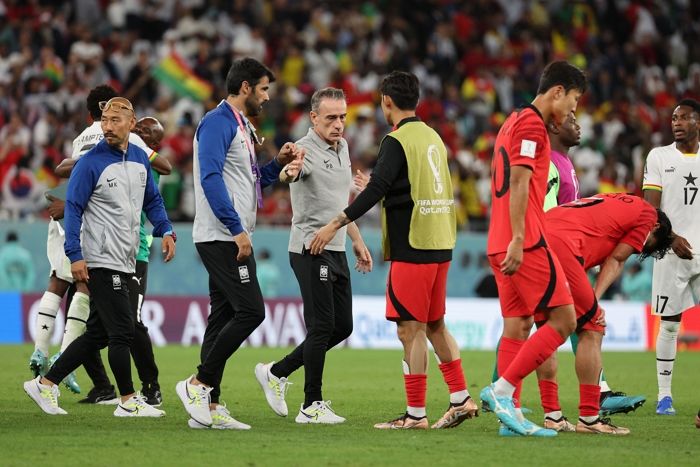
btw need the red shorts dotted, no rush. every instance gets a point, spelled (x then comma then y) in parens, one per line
(539, 283)
(416, 292)
(585, 303)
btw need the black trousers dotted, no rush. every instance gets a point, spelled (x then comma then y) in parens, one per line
(237, 308)
(324, 281)
(141, 346)
(110, 324)
(92, 363)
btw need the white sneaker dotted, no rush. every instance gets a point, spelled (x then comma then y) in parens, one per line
(195, 399)
(275, 388)
(221, 420)
(45, 396)
(136, 406)
(318, 412)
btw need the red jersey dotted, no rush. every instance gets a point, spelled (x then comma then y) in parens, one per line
(595, 226)
(523, 141)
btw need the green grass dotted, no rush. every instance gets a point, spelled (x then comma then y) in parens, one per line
(366, 387)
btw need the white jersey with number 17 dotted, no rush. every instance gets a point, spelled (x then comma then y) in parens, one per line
(677, 177)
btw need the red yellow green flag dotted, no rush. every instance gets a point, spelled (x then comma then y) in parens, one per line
(178, 76)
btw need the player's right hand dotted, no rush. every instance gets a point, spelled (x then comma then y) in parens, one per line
(601, 318)
(513, 259)
(360, 180)
(56, 207)
(291, 170)
(245, 248)
(682, 248)
(79, 271)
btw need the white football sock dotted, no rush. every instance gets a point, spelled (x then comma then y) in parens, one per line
(45, 320)
(503, 388)
(556, 415)
(459, 396)
(417, 412)
(666, 343)
(77, 319)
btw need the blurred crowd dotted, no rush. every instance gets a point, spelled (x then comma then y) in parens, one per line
(477, 60)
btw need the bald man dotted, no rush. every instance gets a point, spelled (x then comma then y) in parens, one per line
(107, 191)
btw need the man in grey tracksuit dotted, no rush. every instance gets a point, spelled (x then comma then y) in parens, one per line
(107, 190)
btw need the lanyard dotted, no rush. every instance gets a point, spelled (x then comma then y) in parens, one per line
(251, 153)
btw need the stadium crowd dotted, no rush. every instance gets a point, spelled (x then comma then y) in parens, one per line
(476, 61)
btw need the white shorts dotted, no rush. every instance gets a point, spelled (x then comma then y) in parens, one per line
(60, 264)
(676, 285)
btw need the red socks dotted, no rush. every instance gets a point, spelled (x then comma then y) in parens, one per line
(549, 392)
(454, 375)
(507, 350)
(538, 348)
(589, 403)
(416, 387)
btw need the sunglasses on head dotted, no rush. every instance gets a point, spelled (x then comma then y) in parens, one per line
(120, 105)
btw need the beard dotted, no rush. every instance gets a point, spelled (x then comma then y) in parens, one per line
(252, 108)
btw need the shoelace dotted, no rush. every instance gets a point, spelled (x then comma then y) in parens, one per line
(326, 405)
(607, 421)
(281, 386)
(222, 410)
(200, 394)
(51, 394)
(141, 399)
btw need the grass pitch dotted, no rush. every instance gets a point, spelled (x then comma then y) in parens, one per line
(365, 387)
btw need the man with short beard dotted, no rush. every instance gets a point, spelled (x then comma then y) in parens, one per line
(226, 171)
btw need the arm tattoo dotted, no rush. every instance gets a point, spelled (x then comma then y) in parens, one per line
(342, 219)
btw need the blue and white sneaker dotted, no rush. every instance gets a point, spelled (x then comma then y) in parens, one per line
(665, 406)
(619, 402)
(38, 363)
(69, 381)
(504, 409)
(530, 430)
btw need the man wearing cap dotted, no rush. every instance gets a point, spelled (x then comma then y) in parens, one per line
(106, 193)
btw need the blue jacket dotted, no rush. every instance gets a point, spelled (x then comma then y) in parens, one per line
(224, 184)
(107, 191)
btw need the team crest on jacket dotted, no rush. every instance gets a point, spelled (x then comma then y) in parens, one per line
(143, 177)
(116, 282)
(323, 273)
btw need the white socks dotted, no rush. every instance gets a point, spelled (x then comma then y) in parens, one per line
(666, 343)
(459, 396)
(556, 415)
(503, 388)
(45, 320)
(417, 412)
(76, 320)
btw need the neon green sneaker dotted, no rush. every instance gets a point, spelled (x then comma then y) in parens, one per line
(275, 388)
(221, 419)
(69, 381)
(38, 364)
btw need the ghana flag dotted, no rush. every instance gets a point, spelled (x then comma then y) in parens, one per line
(178, 76)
